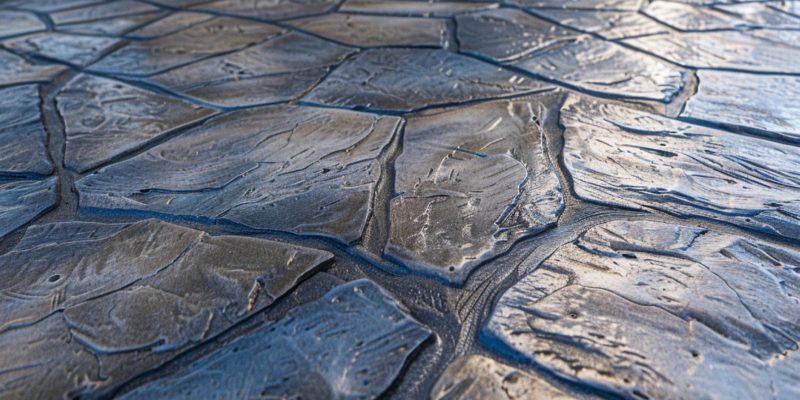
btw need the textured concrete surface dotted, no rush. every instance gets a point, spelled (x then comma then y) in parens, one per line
(518, 199)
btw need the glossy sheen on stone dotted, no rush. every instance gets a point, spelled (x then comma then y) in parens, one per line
(218, 35)
(175, 22)
(687, 17)
(443, 149)
(758, 103)
(132, 295)
(373, 31)
(607, 68)
(651, 310)
(18, 70)
(268, 72)
(470, 182)
(21, 201)
(410, 7)
(296, 169)
(774, 14)
(619, 156)
(594, 65)
(608, 24)
(270, 9)
(478, 377)
(351, 343)
(507, 34)
(19, 22)
(619, 5)
(410, 79)
(104, 119)
(111, 26)
(73, 49)
(23, 140)
(101, 11)
(722, 49)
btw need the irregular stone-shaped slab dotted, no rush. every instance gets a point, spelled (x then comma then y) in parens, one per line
(112, 26)
(19, 22)
(18, 70)
(33, 353)
(594, 65)
(722, 49)
(175, 22)
(409, 7)
(373, 31)
(351, 343)
(608, 24)
(411, 79)
(297, 169)
(78, 50)
(268, 72)
(23, 140)
(104, 119)
(471, 181)
(215, 291)
(64, 264)
(102, 11)
(478, 377)
(687, 17)
(218, 35)
(754, 102)
(508, 34)
(618, 5)
(604, 67)
(134, 295)
(624, 157)
(653, 310)
(270, 9)
(22, 201)
(47, 6)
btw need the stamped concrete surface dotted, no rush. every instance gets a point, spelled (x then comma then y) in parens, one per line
(406, 199)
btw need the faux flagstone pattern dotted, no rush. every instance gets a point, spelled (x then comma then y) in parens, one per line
(131, 296)
(401, 199)
(659, 310)
(470, 183)
(104, 119)
(293, 357)
(299, 169)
